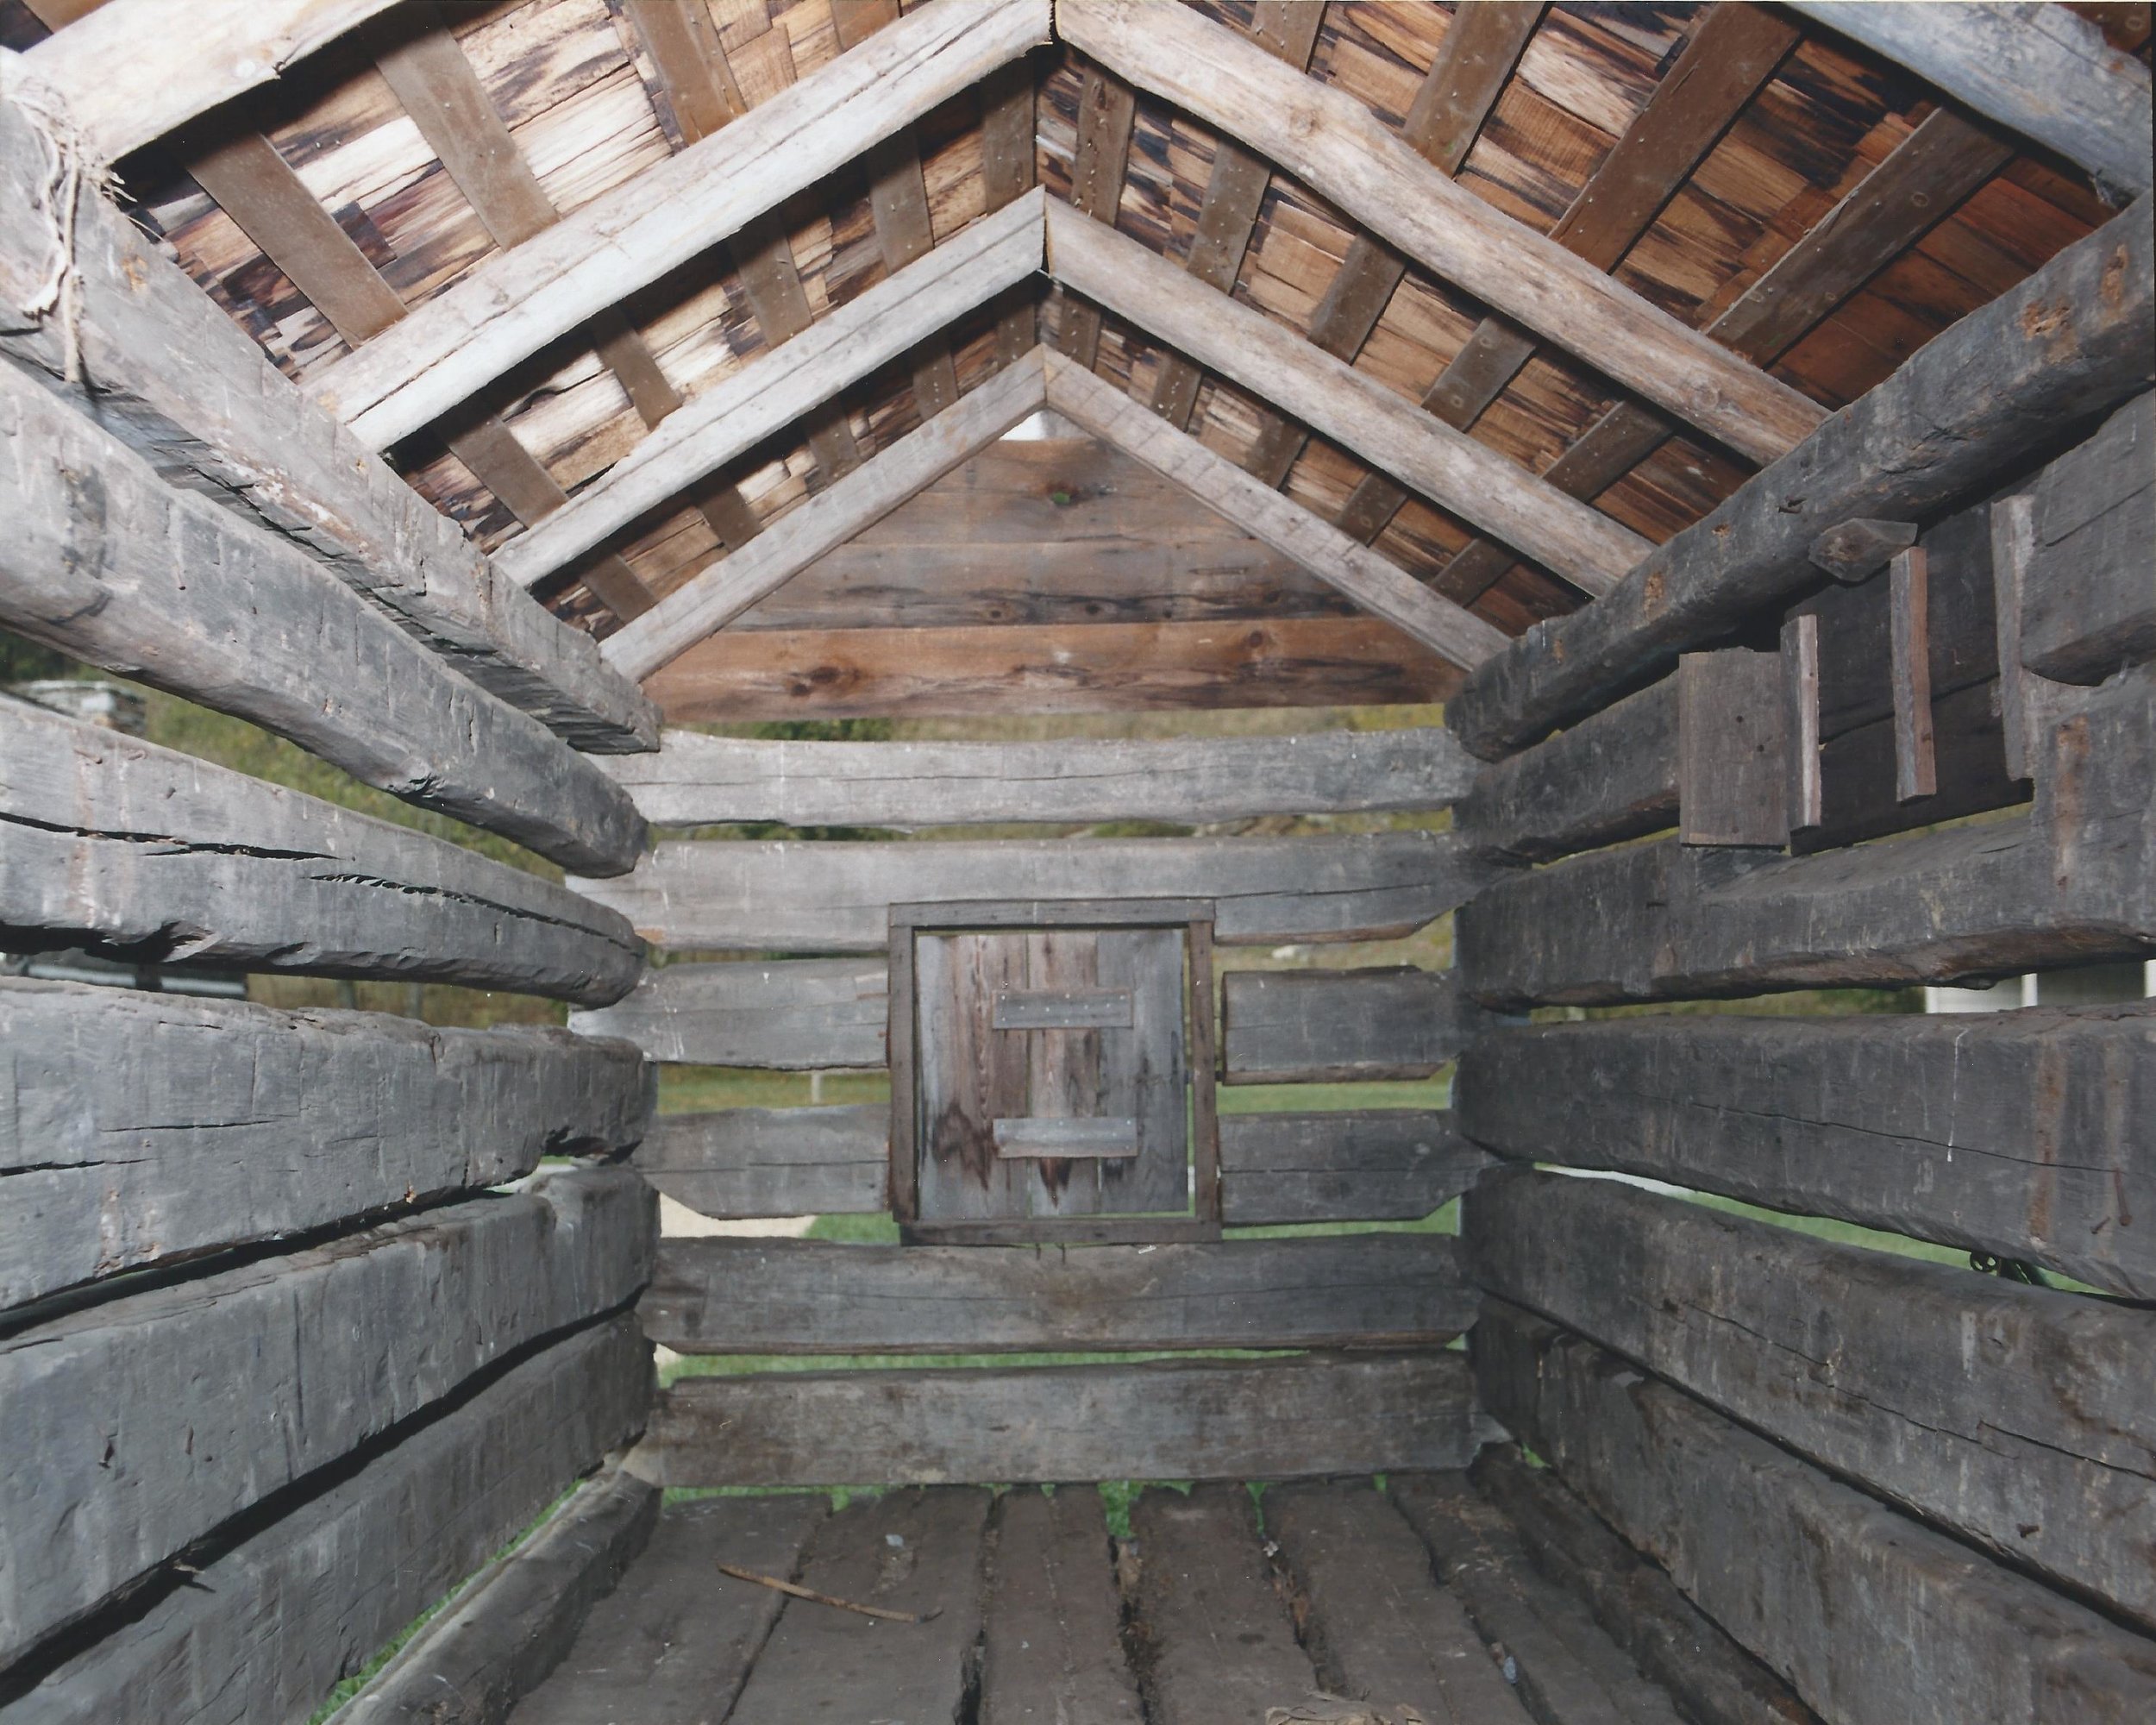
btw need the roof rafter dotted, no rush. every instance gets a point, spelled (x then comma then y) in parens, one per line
(1343, 152)
(1460, 475)
(788, 383)
(722, 592)
(519, 300)
(1380, 588)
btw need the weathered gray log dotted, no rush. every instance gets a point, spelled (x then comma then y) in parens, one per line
(1567, 1671)
(175, 378)
(675, 1643)
(106, 562)
(1053, 1637)
(2072, 882)
(1871, 1617)
(2075, 338)
(1378, 1626)
(2022, 1418)
(1611, 776)
(1674, 1643)
(1342, 1026)
(1162, 1420)
(2025, 1134)
(146, 853)
(512, 1627)
(808, 1296)
(916, 1551)
(817, 1014)
(696, 780)
(141, 1128)
(771, 1161)
(784, 897)
(274, 1619)
(156, 1416)
(1203, 1586)
(2088, 594)
(1370, 1165)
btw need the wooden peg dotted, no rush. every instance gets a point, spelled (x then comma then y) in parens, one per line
(1909, 609)
(1859, 548)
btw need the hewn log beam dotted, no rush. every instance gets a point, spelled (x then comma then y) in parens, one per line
(827, 519)
(1337, 148)
(2073, 339)
(134, 70)
(783, 384)
(2038, 70)
(1463, 476)
(519, 300)
(1380, 588)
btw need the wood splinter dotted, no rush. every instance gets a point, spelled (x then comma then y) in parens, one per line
(798, 1591)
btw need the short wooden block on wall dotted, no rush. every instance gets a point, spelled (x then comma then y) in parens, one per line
(1731, 768)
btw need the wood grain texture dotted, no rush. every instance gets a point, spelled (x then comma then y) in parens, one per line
(511, 1626)
(1052, 1648)
(723, 590)
(1464, 478)
(140, 1128)
(676, 1641)
(751, 404)
(1868, 1615)
(1098, 165)
(141, 851)
(697, 779)
(1375, 585)
(437, 1298)
(1612, 776)
(107, 563)
(130, 72)
(737, 1163)
(1909, 610)
(517, 301)
(1201, 1419)
(2087, 605)
(278, 1614)
(836, 897)
(2032, 1439)
(1732, 758)
(808, 1297)
(1334, 144)
(1342, 1027)
(2073, 339)
(178, 381)
(1372, 1165)
(2046, 74)
(919, 672)
(793, 1015)
(2016, 1133)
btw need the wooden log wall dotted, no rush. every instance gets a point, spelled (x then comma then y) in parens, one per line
(1910, 1491)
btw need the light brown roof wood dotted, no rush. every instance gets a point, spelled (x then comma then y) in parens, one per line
(784, 383)
(1469, 478)
(1107, 112)
(730, 585)
(517, 301)
(2038, 70)
(134, 70)
(1381, 588)
(1337, 148)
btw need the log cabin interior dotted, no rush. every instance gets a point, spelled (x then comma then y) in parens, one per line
(1281, 700)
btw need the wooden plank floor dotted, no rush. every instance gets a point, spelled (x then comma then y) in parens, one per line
(1220, 1607)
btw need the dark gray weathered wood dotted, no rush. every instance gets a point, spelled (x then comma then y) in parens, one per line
(1731, 762)
(771, 1161)
(272, 1622)
(112, 843)
(1612, 776)
(2073, 339)
(2089, 595)
(809, 1296)
(1164, 1420)
(502, 1636)
(1871, 1617)
(1342, 1027)
(2022, 1418)
(1053, 1649)
(140, 1128)
(1909, 611)
(1370, 1165)
(803, 1015)
(107, 563)
(158, 1415)
(2019, 1133)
